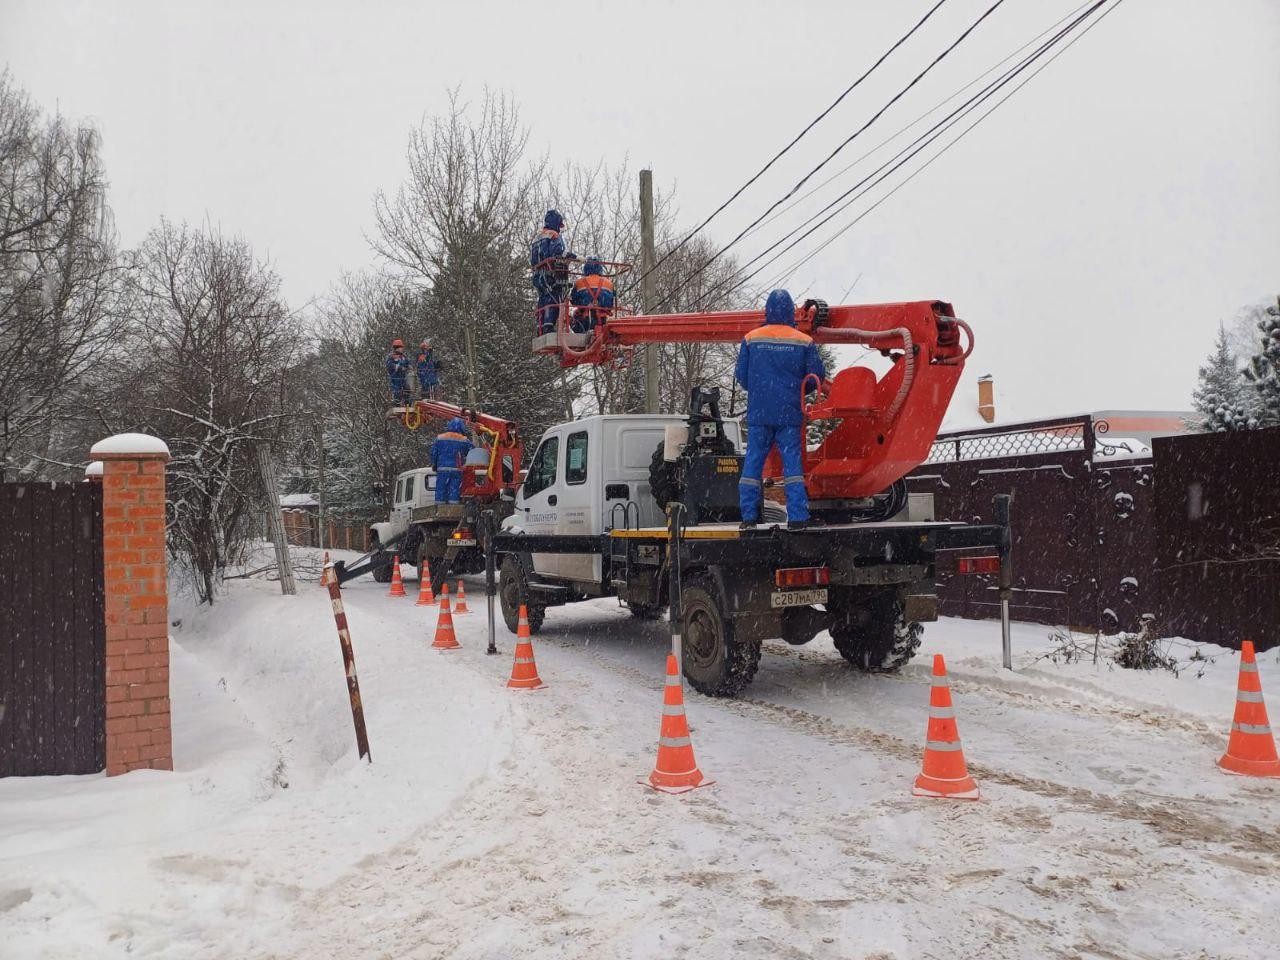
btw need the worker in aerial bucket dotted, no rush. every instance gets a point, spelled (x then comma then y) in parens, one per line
(549, 263)
(773, 361)
(398, 372)
(428, 373)
(592, 297)
(449, 452)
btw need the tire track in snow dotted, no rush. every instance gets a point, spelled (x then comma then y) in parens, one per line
(1172, 820)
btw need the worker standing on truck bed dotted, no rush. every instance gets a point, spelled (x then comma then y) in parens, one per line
(448, 453)
(592, 297)
(773, 361)
(398, 372)
(428, 374)
(548, 261)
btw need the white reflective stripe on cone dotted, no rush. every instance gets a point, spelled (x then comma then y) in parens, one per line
(1249, 696)
(674, 741)
(943, 745)
(942, 713)
(1258, 729)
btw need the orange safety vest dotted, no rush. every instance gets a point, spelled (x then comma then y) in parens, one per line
(594, 283)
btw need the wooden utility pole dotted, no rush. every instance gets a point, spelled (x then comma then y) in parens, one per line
(275, 519)
(320, 465)
(648, 293)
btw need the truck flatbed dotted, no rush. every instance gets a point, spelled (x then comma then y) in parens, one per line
(732, 531)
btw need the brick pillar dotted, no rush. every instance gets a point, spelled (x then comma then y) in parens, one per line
(139, 734)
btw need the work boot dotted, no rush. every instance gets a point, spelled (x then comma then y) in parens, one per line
(797, 524)
(747, 525)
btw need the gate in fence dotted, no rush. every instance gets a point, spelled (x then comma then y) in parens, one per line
(52, 629)
(1083, 549)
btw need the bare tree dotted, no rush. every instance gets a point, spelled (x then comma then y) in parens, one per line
(204, 368)
(59, 276)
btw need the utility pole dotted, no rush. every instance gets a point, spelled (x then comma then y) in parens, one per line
(648, 295)
(275, 519)
(320, 465)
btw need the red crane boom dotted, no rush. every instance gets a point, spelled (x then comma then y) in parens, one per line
(883, 427)
(500, 437)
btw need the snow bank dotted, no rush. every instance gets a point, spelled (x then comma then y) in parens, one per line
(267, 799)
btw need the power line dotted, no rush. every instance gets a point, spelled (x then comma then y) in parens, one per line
(995, 89)
(937, 106)
(876, 116)
(945, 125)
(813, 123)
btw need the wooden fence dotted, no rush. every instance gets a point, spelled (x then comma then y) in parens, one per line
(52, 629)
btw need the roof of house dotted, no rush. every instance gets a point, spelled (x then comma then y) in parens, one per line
(297, 500)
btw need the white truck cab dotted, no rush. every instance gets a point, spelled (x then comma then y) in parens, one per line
(413, 488)
(587, 477)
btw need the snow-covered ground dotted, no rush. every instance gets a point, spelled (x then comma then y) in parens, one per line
(498, 824)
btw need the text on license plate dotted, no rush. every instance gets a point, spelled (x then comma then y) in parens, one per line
(797, 598)
(462, 543)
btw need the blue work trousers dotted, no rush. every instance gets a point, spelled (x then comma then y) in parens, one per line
(400, 390)
(760, 440)
(448, 485)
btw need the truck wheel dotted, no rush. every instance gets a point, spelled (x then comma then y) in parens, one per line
(510, 589)
(382, 566)
(715, 661)
(875, 638)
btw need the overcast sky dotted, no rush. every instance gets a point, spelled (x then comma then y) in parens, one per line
(1093, 231)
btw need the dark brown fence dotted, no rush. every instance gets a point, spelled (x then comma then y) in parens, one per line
(1218, 536)
(51, 629)
(1083, 539)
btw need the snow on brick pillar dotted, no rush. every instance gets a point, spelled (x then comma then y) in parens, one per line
(139, 734)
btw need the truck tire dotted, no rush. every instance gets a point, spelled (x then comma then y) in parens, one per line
(715, 661)
(874, 637)
(511, 587)
(381, 563)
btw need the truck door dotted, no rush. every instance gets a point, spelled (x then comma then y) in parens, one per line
(577, 512)
(539, 500)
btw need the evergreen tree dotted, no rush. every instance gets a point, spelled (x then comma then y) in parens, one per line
(1219, 396)
(1263, 371)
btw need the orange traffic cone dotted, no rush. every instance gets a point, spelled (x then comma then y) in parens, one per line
(675, 771)
(944, 773)
(397, 585)
(524, 671)
(324, 571)
(1251, 749)
(425, 597)
(462, 599)
(445, 639)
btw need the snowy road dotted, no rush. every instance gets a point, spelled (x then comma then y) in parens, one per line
(496, 824)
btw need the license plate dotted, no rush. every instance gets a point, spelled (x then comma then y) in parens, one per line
(797, 598)
(462, 543)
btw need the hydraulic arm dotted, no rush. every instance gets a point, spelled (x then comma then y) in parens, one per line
(500, 438)
(881, 428)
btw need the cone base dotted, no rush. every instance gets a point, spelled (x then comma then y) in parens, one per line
(534, 684)
(1249, 768)
(965, 789)
(455, 645)
(427, 603)
(461, 610)
(674, 788)
(399, 593)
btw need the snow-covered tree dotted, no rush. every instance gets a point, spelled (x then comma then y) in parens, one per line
(1219, 395)
(60, 315)
(1263, 371)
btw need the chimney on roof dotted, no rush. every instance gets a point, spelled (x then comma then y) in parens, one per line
(987, 398)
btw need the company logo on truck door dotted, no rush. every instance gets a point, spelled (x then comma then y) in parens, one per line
(551, 517)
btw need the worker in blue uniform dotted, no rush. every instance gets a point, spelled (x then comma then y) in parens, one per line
(448, 454)
(592, 297)
(398, 372)
(773, 361)
(548, 262)
(428, 374)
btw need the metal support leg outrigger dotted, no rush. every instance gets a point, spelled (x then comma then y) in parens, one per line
(490, 579)
(675, 536)
(1003, 504)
